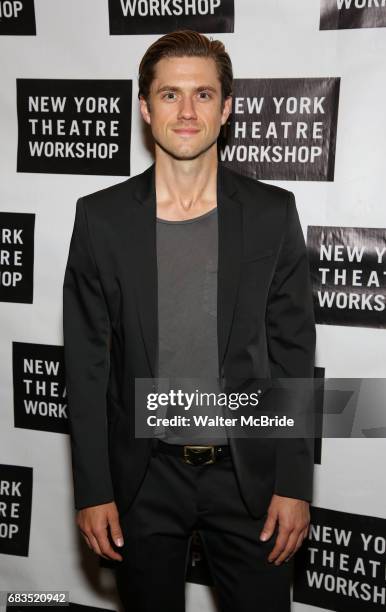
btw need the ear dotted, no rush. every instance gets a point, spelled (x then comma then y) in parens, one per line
(226, 110)
(144, 110)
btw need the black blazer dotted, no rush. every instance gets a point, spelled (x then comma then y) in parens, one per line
(265, 321)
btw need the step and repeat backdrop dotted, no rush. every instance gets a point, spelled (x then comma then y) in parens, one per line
(308, 115)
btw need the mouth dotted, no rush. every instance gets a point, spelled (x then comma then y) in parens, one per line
(186, 131)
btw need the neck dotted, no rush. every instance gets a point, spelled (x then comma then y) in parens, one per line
(186, 188)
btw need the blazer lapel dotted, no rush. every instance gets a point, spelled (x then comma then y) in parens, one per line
(229, 261)
(230, 245)
(145, 252)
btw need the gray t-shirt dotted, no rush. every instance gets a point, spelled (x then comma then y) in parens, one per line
(187, 254)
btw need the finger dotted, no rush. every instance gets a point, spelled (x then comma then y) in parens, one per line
(297, 546)
(280, 543)
(106, 549)
(289, 548)
(303, 535)
(115, 529)
(268, 528)
(95, 546)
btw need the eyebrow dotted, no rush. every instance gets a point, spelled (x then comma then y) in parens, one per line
(173, 88)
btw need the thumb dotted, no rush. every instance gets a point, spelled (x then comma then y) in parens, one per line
(269, 527)
(115, 529)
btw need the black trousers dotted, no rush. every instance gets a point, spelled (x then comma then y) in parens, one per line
(174, 499)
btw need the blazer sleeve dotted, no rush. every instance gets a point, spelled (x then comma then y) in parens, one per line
(86, 332)
(291, 339)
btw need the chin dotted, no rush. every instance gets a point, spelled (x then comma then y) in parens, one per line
(182, 154)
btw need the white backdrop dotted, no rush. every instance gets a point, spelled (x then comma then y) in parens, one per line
(272, 38)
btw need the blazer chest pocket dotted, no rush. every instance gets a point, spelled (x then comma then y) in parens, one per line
(257, 255)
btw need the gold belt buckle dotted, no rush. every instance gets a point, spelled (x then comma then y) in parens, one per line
(199, 455)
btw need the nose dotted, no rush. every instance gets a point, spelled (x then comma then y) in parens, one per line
(186, 109)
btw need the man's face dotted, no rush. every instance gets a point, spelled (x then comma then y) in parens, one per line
(185, 106)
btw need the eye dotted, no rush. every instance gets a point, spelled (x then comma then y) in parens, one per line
(168, 94)
(205, 93)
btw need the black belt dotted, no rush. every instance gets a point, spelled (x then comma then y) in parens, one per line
(194, 454)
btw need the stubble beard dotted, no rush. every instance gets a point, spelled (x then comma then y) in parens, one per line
(188, 156)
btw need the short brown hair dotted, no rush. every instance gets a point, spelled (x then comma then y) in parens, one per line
(182, 43)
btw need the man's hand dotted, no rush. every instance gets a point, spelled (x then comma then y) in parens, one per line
(93, 522)
(294, 519)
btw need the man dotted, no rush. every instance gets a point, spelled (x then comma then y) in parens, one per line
(140, 302)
